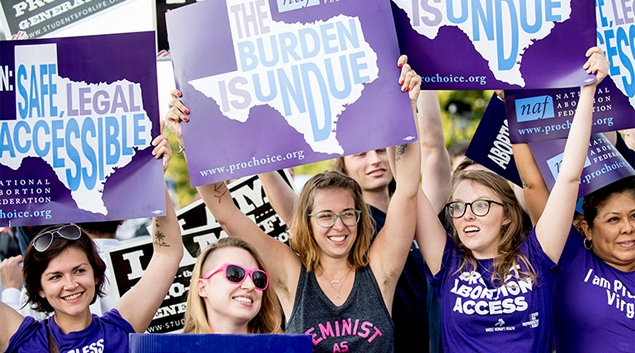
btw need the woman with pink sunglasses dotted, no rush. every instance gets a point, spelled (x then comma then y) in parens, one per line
(230, 293)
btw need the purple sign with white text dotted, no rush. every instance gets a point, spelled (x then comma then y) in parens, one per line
(273, 84)
(536, 115)
(604, 164)
(77, 118)
(484, 44)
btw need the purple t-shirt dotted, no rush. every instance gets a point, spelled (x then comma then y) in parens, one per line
(480, 317)
(594, 303)
(106, 333)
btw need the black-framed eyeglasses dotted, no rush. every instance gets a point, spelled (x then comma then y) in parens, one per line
(327, 219)
(479, 207)
(42, 242)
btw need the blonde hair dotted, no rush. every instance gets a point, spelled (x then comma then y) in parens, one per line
(302, 239)
(512, 234)
(268, 319)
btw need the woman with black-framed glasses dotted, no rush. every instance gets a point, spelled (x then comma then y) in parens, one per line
(64, 274)
(493, 279)
(230, 293)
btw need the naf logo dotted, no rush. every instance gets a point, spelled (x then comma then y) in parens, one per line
(534, 108)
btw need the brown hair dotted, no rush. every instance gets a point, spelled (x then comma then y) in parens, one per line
(35, 263)
(302, 239)
(512, 234)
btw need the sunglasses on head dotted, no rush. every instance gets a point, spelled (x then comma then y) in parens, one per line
(42, 242)
(237, 274)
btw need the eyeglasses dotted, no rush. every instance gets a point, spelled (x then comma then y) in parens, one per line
(479, 208)
(237, 274)
(42, 242)
(327, 219)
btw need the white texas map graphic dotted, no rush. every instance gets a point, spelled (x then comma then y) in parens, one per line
(501, 31)
(85, 132)
(308, 72)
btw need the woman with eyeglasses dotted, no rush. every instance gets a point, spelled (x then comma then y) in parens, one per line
(63, 275)
(230, 292)
(332, 283)
(493, 279)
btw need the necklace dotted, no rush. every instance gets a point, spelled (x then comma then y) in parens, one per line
(333, 282)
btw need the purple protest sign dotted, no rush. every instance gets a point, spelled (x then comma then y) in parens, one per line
(490, 145)
(536, 115)
(77, 118)
(273, 84)
(476, 45)
(604, 164)
(615, 25)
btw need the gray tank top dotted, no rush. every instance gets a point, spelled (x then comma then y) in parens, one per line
(361, 324)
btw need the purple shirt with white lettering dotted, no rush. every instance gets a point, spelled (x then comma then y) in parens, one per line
(480, 317)
(106, 333)
(594, 303)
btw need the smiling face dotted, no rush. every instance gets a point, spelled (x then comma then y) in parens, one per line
(335, 241)
(230, 306)
(613, 231)
(479, 234)
(370, 169)
(68, 284)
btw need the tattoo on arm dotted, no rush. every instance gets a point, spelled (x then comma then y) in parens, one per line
(220, 190)
(401, 149)
(159, 237)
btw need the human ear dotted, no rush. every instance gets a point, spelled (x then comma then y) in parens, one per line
(202, 289)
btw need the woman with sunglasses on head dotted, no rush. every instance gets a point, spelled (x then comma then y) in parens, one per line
(333, 284)
(493, 279)
(230, 293)
(63, 274)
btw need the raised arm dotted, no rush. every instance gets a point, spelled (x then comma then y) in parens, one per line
(435, 159)
(281, 196)
(535, 191)
(390, 249)
(141, 302)
(283, 264)
(553, 226)
(10, 320)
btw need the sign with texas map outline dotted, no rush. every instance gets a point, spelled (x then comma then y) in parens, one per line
(77, 118)
(275, 84)
(502, 44)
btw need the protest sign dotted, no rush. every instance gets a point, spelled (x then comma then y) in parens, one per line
(491, 146)
(615, 25)
(30, 19)
(536, 115)
(199, 229)
(604, 164)
(221, 343)
(279, 84)
(476, 45)
(77, 118)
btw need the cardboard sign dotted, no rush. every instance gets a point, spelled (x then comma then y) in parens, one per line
(491, 146)
(604, 164)
(536, 115)
(76, 130)
(220, 343)
(476, 45)
(273, 84)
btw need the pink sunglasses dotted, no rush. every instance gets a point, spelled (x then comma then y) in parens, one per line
(237, 274)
